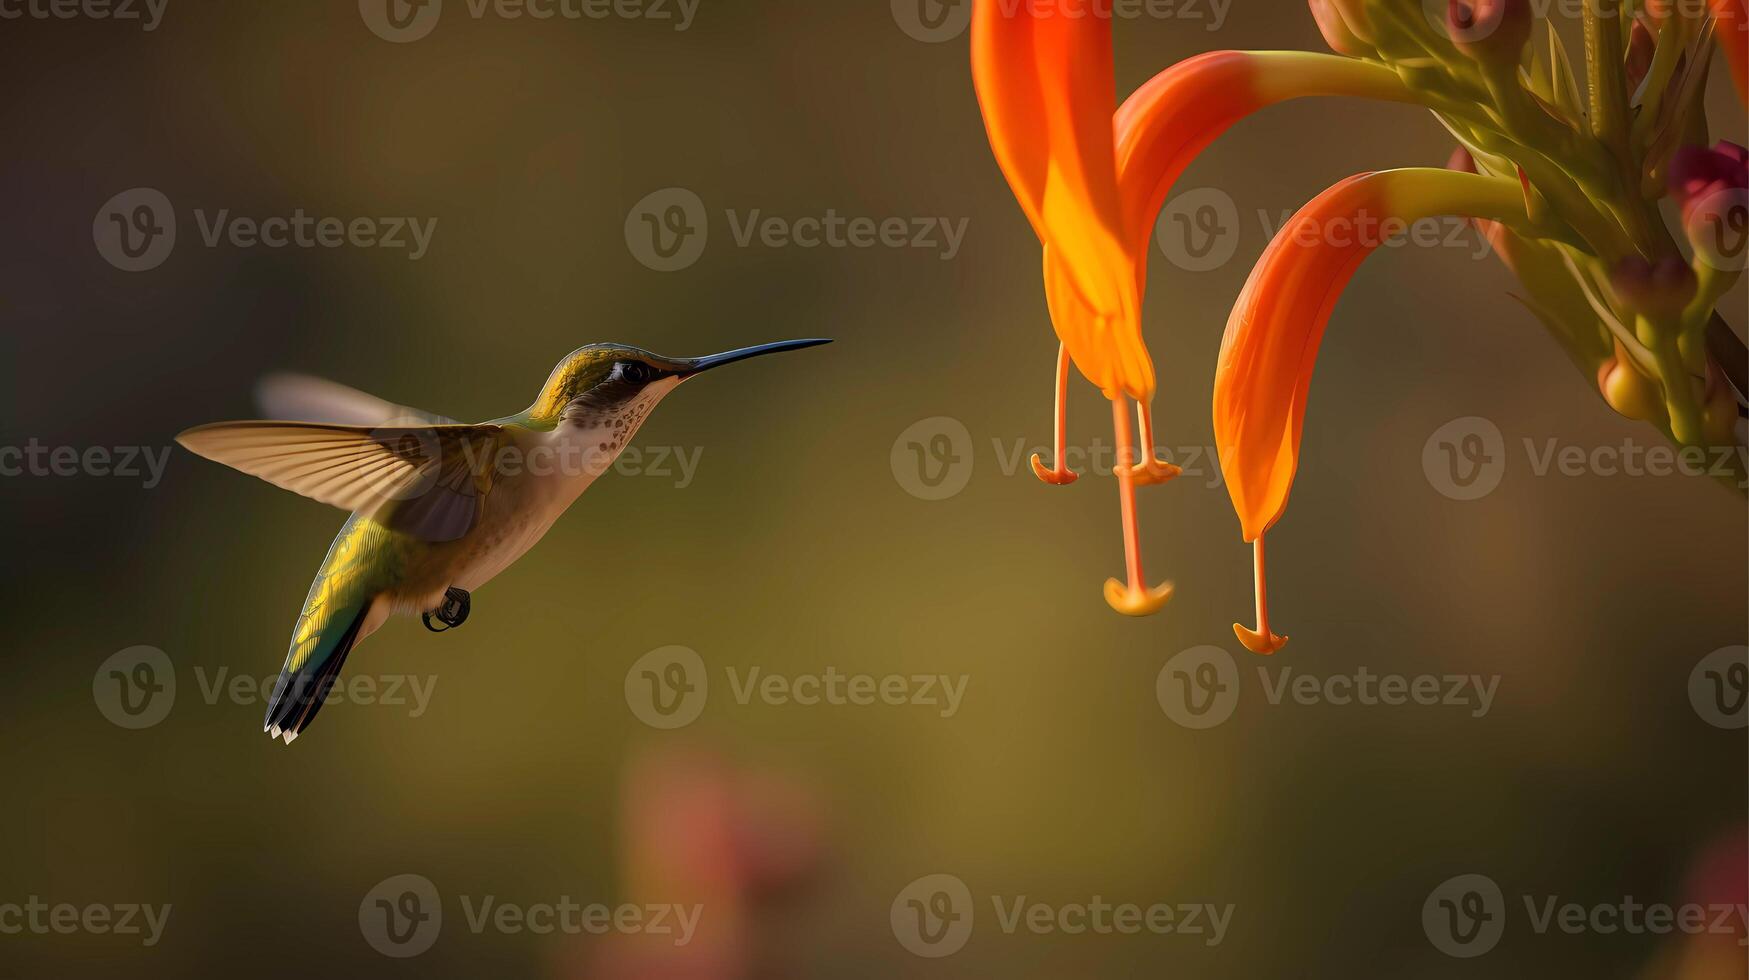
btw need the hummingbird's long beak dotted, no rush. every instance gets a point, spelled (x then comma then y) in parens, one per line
(687, 367)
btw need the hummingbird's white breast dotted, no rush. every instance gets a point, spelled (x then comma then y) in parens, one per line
(538, 481)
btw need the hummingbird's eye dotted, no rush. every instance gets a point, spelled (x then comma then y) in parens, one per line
(636, 372)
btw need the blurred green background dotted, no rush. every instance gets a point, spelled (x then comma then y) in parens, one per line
(796, 546)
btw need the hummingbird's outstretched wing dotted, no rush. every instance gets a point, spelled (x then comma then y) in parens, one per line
(427, 481)
(310, 399)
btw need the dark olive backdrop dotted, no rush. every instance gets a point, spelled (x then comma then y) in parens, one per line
(798, 543)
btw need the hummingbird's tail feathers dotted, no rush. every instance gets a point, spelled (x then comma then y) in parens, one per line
(417, 469)
(304, 683)
(309, 399)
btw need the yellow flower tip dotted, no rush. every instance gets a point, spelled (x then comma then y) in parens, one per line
(1135, 600)
(1257, 642)
(1154, 472)
(1627, 390)
(1062, 476)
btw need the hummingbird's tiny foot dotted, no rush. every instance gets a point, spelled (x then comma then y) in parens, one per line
(1062, 476)
(452, 613)
(1136, 600)
(1154, 471)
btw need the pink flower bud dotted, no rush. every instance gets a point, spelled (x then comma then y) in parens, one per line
(1697, 172)
(1490, 30)
(1711, 187)
(1660, 290)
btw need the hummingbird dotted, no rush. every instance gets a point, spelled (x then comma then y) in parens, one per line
(438, 508)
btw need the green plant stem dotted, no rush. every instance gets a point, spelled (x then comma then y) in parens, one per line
(1664, 61)
(1603, 73)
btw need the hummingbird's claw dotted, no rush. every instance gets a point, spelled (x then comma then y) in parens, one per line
(1062, 476)
(1256, 642)
(452, 613)
(1136, 600)
(1154, 471)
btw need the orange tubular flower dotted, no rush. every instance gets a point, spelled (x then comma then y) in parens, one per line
(1091, 184)
(1733, 27)
(1264, 374)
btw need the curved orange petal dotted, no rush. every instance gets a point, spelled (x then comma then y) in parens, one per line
(1168, 122)
(1271, 344)
(1045, 83)
(1733, 28)
(1160, 130)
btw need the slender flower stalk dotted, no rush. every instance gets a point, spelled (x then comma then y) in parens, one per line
(1264, 375)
